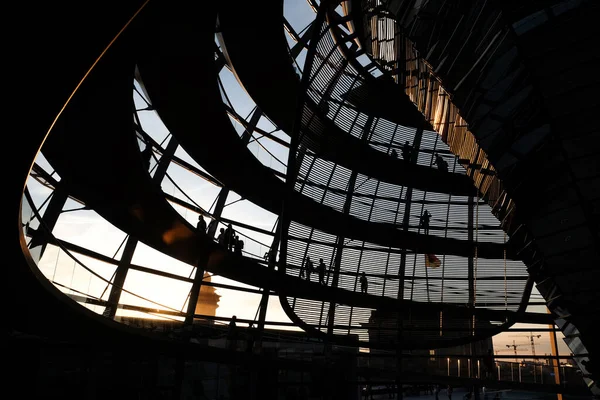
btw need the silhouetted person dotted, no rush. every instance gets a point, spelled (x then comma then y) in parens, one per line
(489, 364)
(238, 245)
(229, 237)
(321, 270)
(424, 223)
(441, 163)
(221, 237)
(436, 391)
(364, 283)
(232, 333)
(406, 151)
(147, 156)
(201, 225)
(368, 391)
(449, 391)
(305, 268)
(309, 268)
(394, 153)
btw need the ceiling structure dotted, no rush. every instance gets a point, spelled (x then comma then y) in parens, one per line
(517, 206)
(502, 72)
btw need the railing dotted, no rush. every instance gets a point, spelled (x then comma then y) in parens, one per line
(538, 371)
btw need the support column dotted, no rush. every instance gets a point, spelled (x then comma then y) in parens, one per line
(120, 275)
(212, 226)
(471, 221)
(407, 209)
(203, 255)
(50, 217)
(165, 160)
(471, 282)
(402, 270)
(299, 46)
(123, 266)
(195, 290)
(264, 301)
(339, 246)
(470, 239)
(555, 359)
(295, 141)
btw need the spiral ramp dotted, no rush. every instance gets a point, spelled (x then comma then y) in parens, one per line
(92, 146)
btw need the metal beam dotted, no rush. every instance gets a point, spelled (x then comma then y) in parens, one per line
(285, 216)
(212, 227)
(339, 247)
(470, 259)
(126, 257)
(119, 279)
(165, 160)
(50, 217)
(203, 256)
(405, 226)
(264, 301)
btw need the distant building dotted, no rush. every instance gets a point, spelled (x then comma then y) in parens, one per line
(208, 300)
(384, 327)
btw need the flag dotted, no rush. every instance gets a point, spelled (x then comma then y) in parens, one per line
(432, 261)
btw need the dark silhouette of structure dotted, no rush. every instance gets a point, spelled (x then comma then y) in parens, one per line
(509, 98)
(147, 156)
